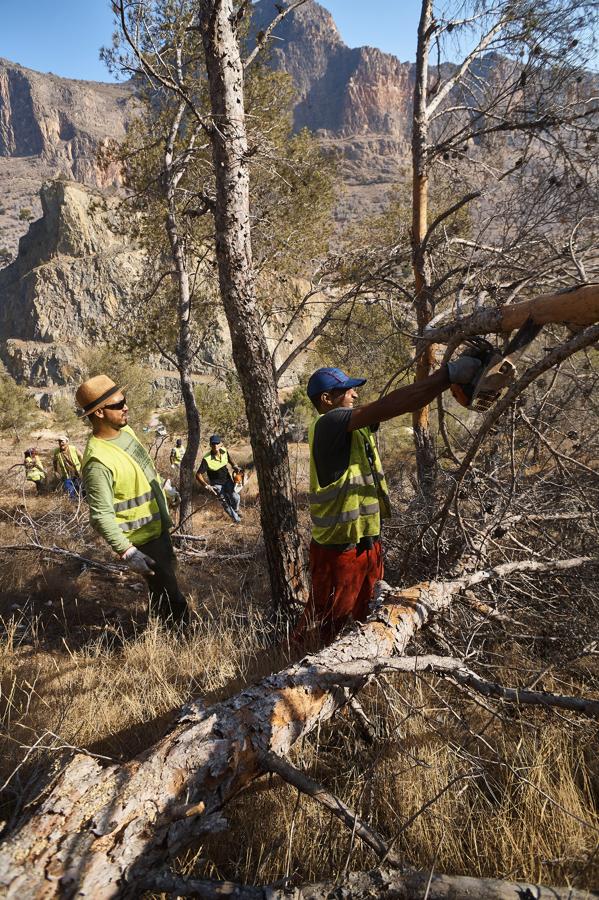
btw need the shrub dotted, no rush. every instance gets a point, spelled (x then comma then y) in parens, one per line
(65, 417)
(25, 214)
(19, 412)
(174, 420)
(222, 408)
(136, 380)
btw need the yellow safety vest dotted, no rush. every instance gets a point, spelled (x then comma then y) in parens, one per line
(62, 466)
(221, 460)
(353, 506)
(177, 454)
(135, 506)
(35, 471)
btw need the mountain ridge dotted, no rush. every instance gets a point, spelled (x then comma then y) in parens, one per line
(357, 101)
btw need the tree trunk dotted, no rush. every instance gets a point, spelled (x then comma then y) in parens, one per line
(426, 457)
(252, 359)
(184, 362)
(101, 829)
(184, 350)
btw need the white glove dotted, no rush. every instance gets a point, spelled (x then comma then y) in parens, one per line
(463, 369)
(212, 490)
(138, 562)
(169, 490)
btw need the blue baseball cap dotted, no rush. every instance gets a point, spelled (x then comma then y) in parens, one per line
(329, 379)
(215, 439)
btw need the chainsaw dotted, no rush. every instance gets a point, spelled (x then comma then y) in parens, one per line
(498, 370)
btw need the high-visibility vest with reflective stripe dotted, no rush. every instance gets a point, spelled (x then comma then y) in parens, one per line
(35, 471)
(221, 460)
(177, 454)
(353, 506)
(62, 466)
(135, 506)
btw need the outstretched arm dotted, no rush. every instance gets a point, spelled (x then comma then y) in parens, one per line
(404, 400)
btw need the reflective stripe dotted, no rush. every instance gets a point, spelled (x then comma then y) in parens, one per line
(137, 501)
(139, 523)
(325, 496)
(349, 516)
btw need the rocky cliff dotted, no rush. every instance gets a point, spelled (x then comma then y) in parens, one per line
(358, 100)
(51, 126)
(62, 121)
(72, 280)
(72, 274)
(73, 271)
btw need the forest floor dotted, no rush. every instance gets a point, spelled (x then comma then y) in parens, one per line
(455, 782)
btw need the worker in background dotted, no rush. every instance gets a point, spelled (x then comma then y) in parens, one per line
(67, 467)
(348, 492)
(176, 455)
(127, 505)
(34, 469)
(214, 475)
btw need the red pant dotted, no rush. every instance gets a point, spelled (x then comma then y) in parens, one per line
(342, 586)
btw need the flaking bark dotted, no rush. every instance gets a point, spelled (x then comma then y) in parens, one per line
(102, 829)
(254, 365)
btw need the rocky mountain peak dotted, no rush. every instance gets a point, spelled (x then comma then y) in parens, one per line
(341, 91)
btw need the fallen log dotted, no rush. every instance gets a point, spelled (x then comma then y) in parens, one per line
(103, 828)
(381, 883)
(577, 306)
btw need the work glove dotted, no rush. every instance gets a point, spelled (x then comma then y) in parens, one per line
(463, 370)
(138, 562)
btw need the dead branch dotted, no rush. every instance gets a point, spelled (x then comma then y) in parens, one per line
(311, 788)
(577, 306)
(59, 551)
(381, 883)
(456, 670)
(103, 828)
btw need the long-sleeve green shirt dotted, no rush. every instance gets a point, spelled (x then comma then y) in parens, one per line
(99, 493)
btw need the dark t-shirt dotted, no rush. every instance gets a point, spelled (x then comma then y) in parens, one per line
(216, 476)
(332, 445)
(331, 449)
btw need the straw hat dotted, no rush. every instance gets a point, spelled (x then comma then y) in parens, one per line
(95, 393)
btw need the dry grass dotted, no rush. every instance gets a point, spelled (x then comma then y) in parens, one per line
(514, 793)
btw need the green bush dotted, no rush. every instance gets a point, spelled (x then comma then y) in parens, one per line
(25, 214)
(135, 379)
(19, 413)
(174, 420)
(222, 409)
(65, 417)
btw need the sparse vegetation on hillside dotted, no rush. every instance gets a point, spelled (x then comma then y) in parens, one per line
(19, 412)
(456, 728)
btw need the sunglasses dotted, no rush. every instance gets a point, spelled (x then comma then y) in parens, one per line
(120, 405)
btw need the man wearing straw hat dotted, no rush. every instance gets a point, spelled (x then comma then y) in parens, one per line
(127, 505)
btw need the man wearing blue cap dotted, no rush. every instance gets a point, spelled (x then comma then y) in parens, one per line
(214, 475)
(348, 492)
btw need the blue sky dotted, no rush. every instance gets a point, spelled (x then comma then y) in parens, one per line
(64, 36)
